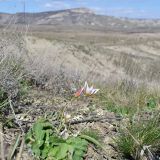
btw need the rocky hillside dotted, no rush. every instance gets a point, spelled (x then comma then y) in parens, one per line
(82, 17)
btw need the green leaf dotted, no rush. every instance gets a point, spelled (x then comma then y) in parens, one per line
(54, 140)
(78, 143)
(47, 138)
(46, 145)
(78, 155)
(28, 136)
(53, 152)
(45, 152)
(151, 104)
(35, 149)
(79, 146)
(94, 141)
(37, 129)
(62, 151)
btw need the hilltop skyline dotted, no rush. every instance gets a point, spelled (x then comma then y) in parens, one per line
(119, 8)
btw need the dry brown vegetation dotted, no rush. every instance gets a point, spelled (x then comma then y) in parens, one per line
(40, 71)
(108, 56)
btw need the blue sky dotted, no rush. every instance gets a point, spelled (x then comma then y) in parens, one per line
(119, 8)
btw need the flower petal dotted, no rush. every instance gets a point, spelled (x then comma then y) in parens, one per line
(94, 91)
(79, 92)
(85, 85)
(88, 90)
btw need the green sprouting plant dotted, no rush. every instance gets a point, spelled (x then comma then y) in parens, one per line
(74, 148)
(24, 87)
(128, 102)
(45, 143)
(122, 110)
(3, 95)
(151, 103)
(139, 139)
(3, 104)
(92, 133)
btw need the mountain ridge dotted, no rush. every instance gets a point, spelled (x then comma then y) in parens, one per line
(74, 17)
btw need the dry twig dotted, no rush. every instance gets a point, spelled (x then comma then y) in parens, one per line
(17, 121)
(21, 149)
(2, 142)
(95, 119)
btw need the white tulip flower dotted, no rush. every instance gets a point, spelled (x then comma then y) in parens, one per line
(86, 90)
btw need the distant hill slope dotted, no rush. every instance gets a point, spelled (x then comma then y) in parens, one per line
(82, 17)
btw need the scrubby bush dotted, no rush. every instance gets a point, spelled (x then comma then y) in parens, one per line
(11, 73)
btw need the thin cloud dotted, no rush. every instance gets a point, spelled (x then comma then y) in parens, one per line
(56, 5)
